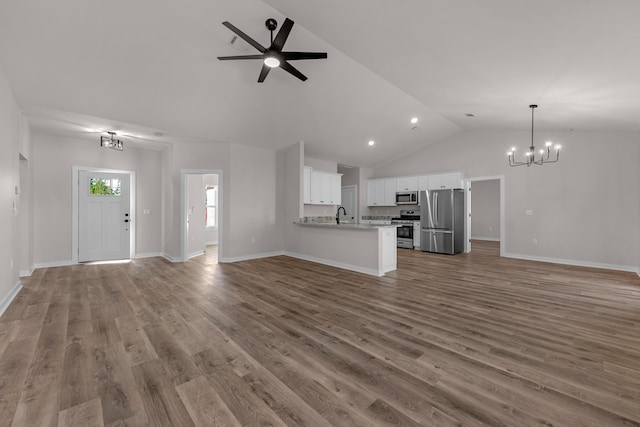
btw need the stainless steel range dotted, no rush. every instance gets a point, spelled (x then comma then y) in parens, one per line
(408, 220)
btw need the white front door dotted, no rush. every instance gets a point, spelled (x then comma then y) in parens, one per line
(104, 219)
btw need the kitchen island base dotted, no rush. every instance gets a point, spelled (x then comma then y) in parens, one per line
(369, 249)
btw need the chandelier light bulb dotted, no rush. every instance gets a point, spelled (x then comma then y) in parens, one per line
(372, 142)
(558, 146)
(509, 153)
(548, 144)
(414, 120)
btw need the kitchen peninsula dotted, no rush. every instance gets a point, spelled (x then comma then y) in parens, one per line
(366, 248)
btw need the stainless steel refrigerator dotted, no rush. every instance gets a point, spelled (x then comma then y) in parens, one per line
(442, 221)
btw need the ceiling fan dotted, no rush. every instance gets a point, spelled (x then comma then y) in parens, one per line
(273, 56)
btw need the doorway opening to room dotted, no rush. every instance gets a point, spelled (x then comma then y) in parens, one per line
(201, 215)
(103, 206)
(485, 214)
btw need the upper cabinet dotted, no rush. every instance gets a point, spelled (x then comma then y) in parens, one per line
(445, 181)
(381, 192)
(324, 188)
(407, 183)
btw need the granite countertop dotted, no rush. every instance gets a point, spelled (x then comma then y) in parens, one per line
(346, 225)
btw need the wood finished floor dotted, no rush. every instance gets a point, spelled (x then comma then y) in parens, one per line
(470, 340)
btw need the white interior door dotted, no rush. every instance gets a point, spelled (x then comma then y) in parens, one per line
(349, 202)
(104, 219)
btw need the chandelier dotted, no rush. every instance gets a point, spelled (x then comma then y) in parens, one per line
(531, 156)
(111, 142)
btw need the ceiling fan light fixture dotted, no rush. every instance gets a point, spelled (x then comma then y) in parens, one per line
(271, 61)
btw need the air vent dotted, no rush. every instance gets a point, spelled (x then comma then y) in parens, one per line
(240, 44)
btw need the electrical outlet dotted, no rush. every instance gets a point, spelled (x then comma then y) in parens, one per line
(534, 242)
(528, 212)
(146, 211)
(490, 228)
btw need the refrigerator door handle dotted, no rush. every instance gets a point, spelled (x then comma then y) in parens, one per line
(435, 208)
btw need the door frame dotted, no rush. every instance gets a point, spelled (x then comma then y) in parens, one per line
(467, 207)
(184, 207)
(75, 216)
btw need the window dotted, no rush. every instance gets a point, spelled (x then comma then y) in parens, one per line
(211, 195)
(104, 186)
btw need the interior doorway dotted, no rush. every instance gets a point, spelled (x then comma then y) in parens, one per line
(201, 213)
(484, 205)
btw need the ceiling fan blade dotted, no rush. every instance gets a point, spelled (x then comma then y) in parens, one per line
(245, 37)
(227, 58)
(282, 35)
(263, 73)
(293, 56)
(292, 70)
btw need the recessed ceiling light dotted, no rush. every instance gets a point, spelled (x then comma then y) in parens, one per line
(372, 142)
(414, 120)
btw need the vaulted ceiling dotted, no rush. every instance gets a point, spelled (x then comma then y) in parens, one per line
(149, 68)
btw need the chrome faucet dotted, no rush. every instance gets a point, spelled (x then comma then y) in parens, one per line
(338, 214)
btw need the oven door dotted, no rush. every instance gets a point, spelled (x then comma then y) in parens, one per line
(405, 236)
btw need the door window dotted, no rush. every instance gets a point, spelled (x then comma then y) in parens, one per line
(104, 187)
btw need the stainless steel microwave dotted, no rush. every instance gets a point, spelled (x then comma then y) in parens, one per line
(407, 198)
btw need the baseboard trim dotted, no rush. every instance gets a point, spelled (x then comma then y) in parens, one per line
(213, 242)
(573, 262)
(486, 239)
(147, 255)
(54, 264)
(331, 263)
(250, 257)
(195, 254)
(4, 303)
(169, 257)
(27, 273)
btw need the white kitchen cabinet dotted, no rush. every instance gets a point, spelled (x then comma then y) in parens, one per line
(423, 182)
(375, 192)
(407, 183)
(306, 193)
(445, 181)
(390, 192)
(336, 189)
(325, 188)
(381, 192)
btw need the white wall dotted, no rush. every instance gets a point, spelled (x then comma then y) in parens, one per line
(250, 227)
(585, 208)
(11, 143)
(196, 215)
(485, 210)
(53, 159)
(253, 227)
